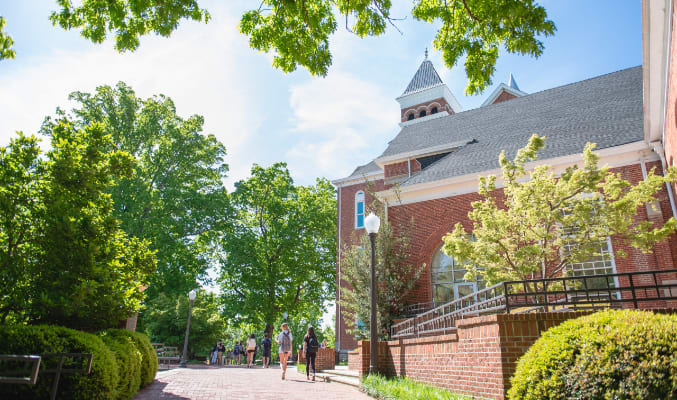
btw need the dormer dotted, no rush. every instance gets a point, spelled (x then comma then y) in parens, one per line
(426, 97)
(504, 92)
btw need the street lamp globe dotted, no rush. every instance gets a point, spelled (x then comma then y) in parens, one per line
(372, 223)
(191, 295)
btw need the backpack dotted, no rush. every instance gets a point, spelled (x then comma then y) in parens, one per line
(312, 345)
(286, 341)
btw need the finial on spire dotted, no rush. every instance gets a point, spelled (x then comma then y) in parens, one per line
(426, 53)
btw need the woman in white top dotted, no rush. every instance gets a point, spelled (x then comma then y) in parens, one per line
(284, 339)
(251, 350)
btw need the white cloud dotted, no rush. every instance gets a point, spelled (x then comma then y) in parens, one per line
(339, 122)
(200, 67)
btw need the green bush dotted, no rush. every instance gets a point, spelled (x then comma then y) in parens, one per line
(608, 355)
(129, 362)
(99, 384)
(148, 357)
(381, 387)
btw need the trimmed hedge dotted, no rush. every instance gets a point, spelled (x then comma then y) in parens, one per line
(624, 354)
(148, 356)
(128, 360)
(99, 384)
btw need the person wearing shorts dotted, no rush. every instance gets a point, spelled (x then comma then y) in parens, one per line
(266, 345)
(284, 339)
(251, 350)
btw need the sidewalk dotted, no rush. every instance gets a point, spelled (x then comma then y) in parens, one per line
(238, 383)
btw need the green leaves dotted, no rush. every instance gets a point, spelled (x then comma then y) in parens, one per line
(128, 19)
(543, 222)
(478, 28)
(6, 42)
(278, 255)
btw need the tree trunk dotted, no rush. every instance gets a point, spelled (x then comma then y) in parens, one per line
(269, 329)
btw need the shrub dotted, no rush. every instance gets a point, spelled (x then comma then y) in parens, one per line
(148, 356)
(404, 388)
(624, 354)
(99, 384)
(128, 359)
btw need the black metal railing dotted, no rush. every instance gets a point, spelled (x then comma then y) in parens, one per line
(642, 289)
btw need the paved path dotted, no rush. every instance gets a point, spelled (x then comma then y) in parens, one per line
(237, 383)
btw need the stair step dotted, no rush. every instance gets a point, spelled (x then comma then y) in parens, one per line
(345, 380)
(342, 372)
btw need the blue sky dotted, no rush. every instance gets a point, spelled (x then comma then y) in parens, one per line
(320, 126)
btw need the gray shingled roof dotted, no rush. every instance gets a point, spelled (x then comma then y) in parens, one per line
(606, 110)
(366, 169)
(426, 77)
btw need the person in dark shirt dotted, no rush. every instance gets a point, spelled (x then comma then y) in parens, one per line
(219, 349)
(266, 344)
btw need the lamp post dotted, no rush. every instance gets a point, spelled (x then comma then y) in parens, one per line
(191, 297)
(372, 223)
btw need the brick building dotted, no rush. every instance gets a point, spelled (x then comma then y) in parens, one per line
(441, 150)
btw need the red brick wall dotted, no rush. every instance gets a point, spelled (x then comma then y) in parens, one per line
(505, 96)
(440, 103)
(347, 235)
(670, 143)
(396, 169)
(325, 359)
(432, 219)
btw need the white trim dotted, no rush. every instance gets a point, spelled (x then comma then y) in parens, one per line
(502, 87)
(338, 278)
(382, 161)
(431, 93)
(438, 114)
(614, 157)
(364, 210)
(351, 180)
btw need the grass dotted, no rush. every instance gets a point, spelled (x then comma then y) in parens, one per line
(381, 387)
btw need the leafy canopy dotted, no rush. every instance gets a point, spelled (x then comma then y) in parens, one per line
(129, 19)
(176, 200)
(541, 219)
(279, 253)
(67, 260)
(6, 42)
(298, 32)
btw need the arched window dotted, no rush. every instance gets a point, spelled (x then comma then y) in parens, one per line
(359, 210)
(422, 114)
(447, 278)
(411, 116)
(434, 110)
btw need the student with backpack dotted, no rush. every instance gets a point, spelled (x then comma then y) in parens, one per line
(284, 339)
(310, 346)
(266, 344)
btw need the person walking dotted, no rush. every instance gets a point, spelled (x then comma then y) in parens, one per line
(310, 346)
(284, 339)
(266, 345)
(236, 353)
(251, 350)
(219, 349)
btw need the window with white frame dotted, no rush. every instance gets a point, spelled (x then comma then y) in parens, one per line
(600, 263)
(447, 275)
(359, 210)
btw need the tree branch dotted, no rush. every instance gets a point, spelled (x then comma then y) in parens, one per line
(470, 12)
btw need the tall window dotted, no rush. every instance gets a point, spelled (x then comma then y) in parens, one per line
(447, 278)
(434, 110)
(411, 116)
(359, 210)
(422, 114)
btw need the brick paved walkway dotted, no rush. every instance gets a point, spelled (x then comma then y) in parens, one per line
(237, 383)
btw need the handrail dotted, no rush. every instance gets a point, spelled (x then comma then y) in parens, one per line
(549, 294)
(32, 372)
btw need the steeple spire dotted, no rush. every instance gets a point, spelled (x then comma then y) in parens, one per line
(426, 53)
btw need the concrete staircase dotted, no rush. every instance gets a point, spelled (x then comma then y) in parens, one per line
(340, 374)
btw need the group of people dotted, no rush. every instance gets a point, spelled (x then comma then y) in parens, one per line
(284, 339)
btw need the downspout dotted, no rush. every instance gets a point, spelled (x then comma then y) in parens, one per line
(409, 166)
(338, 277)
(658, 149)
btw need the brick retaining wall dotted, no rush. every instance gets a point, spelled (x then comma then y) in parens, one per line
(326, 359)
(478, 359)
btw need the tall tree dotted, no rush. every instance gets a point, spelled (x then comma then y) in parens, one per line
(278, 255)
(22, 181)
(60, 241)
(297, 32)
(553, 221)
(177, 199)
